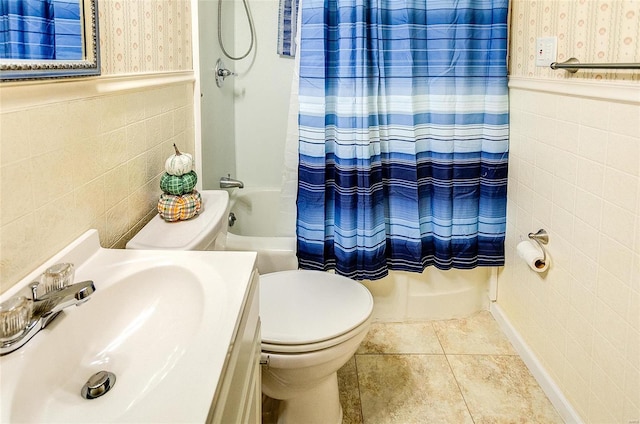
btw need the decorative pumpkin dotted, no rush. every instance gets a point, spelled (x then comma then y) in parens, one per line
(178, 184)
(178, 164)
(179, 208)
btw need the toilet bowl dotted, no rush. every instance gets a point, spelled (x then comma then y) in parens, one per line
(312, 321)
(312, 324)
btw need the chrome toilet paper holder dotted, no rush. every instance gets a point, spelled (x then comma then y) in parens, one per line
(541, 237)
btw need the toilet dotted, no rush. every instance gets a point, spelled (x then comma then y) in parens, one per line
(312, 322)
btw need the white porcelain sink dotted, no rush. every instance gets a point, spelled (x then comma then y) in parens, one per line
(161, 321)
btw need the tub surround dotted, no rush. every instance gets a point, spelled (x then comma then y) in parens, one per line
(260, 227)
(245, 128)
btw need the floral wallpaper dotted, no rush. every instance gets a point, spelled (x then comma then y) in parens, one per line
(138, 36)
(590, 30)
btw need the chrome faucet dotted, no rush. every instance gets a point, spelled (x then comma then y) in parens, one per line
(228, 182)
(49, 305)
(22, 316)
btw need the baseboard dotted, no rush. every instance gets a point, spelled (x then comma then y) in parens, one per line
(550, 388)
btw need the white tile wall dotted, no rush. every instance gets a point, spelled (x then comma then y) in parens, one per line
(261, 109)
(94, 162)
(575, 170)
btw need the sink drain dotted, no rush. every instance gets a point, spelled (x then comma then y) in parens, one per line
(98, 384)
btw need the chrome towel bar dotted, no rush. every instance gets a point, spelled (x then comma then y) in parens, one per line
(572, 65)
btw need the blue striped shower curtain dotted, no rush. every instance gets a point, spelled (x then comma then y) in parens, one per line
(68, 23)
(41, 30)
(403, 135)
(27, 29)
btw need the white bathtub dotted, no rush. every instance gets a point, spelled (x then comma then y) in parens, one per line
(260, 227)
(401, 296)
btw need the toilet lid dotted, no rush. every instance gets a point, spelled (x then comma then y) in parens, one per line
(303, 307)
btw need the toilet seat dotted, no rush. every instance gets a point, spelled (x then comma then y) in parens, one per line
(312, 347)
(328, 310)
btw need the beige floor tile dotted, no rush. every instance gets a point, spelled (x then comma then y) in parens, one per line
(500, 389)
(401, 338)
(407, 389)
(269, 410)
(349, 393)
(477, 334)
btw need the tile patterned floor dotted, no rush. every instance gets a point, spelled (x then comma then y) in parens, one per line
(454, 371)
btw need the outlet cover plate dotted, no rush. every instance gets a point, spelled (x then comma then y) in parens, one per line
(546, 51)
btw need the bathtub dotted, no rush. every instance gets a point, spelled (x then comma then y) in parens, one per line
(400, 297)
(260, 227)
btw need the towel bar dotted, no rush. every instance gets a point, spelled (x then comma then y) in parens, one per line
(573, 65)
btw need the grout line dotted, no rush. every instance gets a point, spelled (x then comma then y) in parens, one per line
(459, 388)
(453, 374)
(434, 354)
(399, 354)
(355, 362)
(435, 332)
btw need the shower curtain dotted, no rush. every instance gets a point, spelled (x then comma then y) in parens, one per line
(403, 135)
(41, 30)
(27, 29)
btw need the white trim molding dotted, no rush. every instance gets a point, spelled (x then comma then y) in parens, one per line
(25, 94)
(602, 90)
(197, 107)
(550, 388)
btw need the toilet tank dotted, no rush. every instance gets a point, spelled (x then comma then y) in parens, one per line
(205, 231)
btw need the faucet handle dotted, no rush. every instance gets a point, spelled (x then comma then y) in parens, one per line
(57, 277)
(15, 316)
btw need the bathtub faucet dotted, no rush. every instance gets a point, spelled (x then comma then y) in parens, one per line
(228, 182)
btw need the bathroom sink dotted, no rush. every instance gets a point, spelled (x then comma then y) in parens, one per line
(161, 321)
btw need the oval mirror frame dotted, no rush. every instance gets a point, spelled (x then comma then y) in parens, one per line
(12, 70)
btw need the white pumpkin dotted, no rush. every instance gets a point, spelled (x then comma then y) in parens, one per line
(179, 164)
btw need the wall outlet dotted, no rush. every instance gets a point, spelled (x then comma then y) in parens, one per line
(546, 51)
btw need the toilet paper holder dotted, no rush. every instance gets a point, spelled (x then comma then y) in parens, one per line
(541, 238)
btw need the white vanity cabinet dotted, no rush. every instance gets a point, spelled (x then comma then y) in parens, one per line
(238, 397)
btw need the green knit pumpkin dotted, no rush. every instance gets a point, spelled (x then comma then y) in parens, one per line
(178, 184)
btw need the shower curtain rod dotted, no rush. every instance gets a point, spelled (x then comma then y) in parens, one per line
(572, 65)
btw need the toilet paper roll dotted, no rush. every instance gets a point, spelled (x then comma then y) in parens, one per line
(532, 255)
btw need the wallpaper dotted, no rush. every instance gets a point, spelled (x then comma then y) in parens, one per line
(590, 30)
(138, 36)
